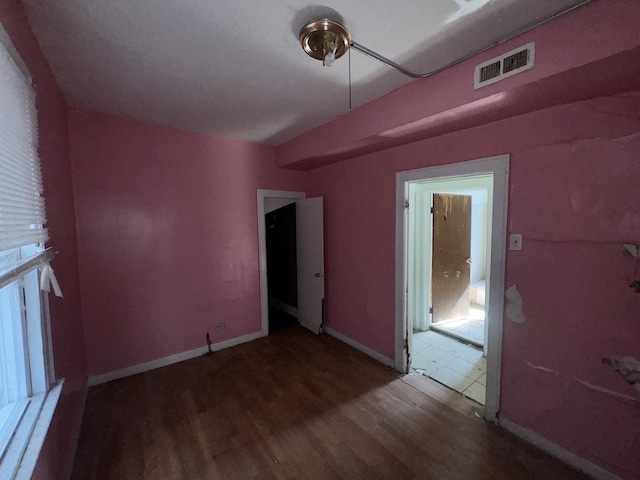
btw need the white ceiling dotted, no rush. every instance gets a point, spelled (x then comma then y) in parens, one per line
(235, 68)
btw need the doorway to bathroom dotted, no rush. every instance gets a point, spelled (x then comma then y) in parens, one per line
(451, 267)
(450, 239)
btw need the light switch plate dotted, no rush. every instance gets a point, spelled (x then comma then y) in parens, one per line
(515, 241)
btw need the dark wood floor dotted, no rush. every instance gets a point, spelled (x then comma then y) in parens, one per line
(294, 406)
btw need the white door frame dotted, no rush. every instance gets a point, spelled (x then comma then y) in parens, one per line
(262, 250)
(499, 167)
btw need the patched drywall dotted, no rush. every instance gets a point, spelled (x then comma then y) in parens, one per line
(513, 305)
(627, 367)
(542, 369)
(598, 388)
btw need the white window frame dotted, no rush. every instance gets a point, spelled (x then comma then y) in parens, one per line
(30, 417)
(21, 446)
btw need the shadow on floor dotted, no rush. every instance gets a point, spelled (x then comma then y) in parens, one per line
(279, 320)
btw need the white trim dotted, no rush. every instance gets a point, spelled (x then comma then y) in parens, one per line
(5, 41)
(39, 433)
(262, 250)
(402, 227)
(25, 266)
(366, 350)
(499, 167)
(170, 360)
(24, 448)
(555, 450)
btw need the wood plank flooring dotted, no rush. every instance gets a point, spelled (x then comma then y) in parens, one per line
(294, 405)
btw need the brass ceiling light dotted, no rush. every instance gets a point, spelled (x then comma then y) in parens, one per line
(325, 40)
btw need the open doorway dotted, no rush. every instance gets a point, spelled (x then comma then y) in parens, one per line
(282, 265)
(448, 238)
(450, 235)
(270, 201)
(292, 280)
(450, 256)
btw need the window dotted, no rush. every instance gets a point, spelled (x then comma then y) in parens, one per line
(26, 371)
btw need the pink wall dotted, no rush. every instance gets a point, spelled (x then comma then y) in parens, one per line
(57, 457)
(574, 196)
(167, 234)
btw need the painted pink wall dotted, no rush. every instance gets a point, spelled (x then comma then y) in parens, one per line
(167, 234)
(448, 102)
(574, 196)
(58, 452)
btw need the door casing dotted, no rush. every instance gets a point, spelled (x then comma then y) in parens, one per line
(498, 167)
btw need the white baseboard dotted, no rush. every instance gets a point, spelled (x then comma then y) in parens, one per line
(285, 307)
(366, 350)
(171, 359)
(561, 453)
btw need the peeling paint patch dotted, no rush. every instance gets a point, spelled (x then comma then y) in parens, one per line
(605, 390)
(627, 367)
(514, 305)
(627, 138)
(544, 369)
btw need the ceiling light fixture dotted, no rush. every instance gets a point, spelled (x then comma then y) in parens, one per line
(327, 40)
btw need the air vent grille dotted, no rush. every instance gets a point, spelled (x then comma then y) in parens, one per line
(515, 61)
(490, 71)
(506, 65)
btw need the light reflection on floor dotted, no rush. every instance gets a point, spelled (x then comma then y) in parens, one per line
(468, 328)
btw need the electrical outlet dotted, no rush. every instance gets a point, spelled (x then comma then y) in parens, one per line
(220, 326)
(515, 241)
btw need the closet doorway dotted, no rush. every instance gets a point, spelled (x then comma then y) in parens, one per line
(297, 289)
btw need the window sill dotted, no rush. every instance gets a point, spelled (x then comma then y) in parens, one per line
(24, 447)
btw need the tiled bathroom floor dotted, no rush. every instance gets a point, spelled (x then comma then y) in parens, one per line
(457, 365)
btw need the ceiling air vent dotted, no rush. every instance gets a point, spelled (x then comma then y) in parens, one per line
(504, 66)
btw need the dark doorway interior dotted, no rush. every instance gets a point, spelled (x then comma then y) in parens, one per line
(282, 267)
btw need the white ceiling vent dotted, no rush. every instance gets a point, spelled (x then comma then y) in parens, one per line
(504, 66)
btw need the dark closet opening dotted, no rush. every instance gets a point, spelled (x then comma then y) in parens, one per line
(282, 267)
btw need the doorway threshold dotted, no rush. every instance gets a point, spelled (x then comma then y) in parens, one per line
(468, 329)
(456, 336)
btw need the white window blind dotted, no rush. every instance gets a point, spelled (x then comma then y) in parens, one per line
(22, 211)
